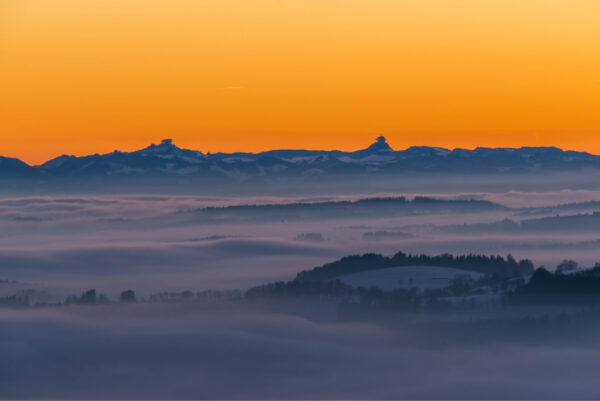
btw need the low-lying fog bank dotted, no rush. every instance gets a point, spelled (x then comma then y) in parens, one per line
(168, 242)
(180, 351)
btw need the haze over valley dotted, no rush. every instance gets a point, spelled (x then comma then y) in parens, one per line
(213, 295)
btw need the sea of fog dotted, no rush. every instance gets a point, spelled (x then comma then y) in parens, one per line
(56, 246)
(153, 243)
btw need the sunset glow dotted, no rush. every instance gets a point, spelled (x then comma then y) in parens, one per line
(90, 76)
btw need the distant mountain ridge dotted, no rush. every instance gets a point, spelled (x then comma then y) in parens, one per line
(167, 159)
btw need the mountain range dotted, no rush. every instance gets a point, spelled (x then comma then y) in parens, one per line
(167, 159)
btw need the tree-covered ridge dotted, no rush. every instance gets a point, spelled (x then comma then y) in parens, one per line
(558, 284)
(489, 265)
(15, 301)
(360, 204)
(302, 289)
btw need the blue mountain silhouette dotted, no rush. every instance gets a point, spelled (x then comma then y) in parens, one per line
(167, 159)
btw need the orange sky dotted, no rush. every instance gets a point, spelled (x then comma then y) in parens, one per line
(89, 76)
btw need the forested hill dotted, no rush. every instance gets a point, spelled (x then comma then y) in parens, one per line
(491, 265)
(377, 206)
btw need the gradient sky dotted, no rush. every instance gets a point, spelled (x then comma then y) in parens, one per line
(86, 76)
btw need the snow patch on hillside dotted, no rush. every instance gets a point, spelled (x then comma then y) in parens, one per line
(407, 277)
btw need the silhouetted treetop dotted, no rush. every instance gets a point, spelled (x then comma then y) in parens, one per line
(87, 298)
(559, 283)
(127, 297)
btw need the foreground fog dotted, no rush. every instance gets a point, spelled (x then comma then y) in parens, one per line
(176, 351)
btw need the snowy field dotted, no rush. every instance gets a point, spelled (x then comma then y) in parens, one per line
(393, 278)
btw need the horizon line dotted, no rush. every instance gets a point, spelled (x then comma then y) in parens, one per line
(171, 142)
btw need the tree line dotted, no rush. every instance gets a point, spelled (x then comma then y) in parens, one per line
(490, 265)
